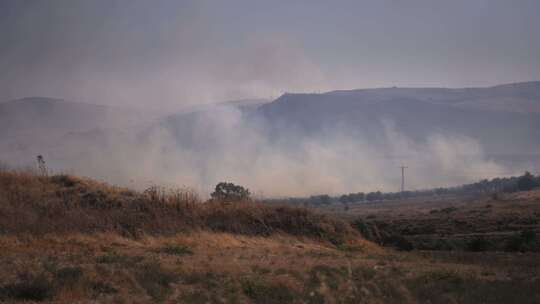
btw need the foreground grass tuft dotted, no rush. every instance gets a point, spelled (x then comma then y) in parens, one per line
(155, 279)
(179, 250)
(264, 292)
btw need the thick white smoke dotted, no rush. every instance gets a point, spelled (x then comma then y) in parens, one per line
(221, 145)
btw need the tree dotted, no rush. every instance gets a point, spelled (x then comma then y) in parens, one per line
(229, 192)
(526, 182)
(356, 197)
(323, 199)
(374, 196)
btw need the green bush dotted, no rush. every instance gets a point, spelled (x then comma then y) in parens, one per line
(229, 192)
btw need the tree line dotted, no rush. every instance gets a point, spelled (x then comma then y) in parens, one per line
(525, 182)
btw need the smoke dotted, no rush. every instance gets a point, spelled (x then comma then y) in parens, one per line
(165, 57)
(221, 144)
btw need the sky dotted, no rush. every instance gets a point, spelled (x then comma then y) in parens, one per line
(173, 54)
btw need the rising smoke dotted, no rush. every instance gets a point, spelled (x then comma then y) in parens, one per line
(132, 53)
(222, 145)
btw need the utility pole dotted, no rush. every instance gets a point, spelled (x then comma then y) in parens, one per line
(41, 166)
(403, 178)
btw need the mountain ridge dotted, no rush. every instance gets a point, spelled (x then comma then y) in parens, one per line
(219, 141)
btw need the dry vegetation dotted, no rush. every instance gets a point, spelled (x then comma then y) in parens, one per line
(67, 204)
(498, 222)
(70, 240)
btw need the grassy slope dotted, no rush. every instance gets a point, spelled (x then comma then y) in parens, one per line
(66, 204)
(257, 254)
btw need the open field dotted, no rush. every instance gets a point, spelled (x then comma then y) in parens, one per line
(224, 268)
(497, 222)
(69, 240)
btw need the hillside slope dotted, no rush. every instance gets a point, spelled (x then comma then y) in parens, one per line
(67, 204)
(491, 116)
(343, 140)
(38, 114)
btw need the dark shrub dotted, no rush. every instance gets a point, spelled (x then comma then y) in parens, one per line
(68, 275)
(526, 182)
(478, 245)
(176, 250)
(155, 280)
(525, 241)
(29, 287)
(102, 288)
(363, 228)
(265, 293)
(229, 192)
(330, 275)
(432, 284)
(367, 229)
(399, 242)
(65, 180)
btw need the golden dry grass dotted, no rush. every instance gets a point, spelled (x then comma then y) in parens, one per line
(231, 268)
(67, 204)
(69, 240)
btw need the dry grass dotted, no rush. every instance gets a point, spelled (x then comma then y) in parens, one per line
(231, 268)
(67, 204)
(506, 222)
(70, 240)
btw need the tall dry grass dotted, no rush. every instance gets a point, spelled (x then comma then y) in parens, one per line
(64, 204)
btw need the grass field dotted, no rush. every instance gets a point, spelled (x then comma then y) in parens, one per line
(501, 222)
(69, 240)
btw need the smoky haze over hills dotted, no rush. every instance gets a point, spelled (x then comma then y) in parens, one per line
(134, 84)
(298, 144)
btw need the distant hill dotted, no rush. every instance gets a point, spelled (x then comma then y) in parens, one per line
(246, 103)
(243, 104)
(298, 144)
(317, 143)
(505, 118)
(40, 114)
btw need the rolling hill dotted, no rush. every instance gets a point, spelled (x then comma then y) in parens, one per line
(504, 119)
(462, 134)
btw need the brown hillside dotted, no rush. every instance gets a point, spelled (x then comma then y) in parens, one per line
(67, 204)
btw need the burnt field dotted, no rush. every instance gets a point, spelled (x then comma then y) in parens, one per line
(498, 222)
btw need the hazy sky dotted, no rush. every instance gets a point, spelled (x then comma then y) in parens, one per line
(175, 53)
